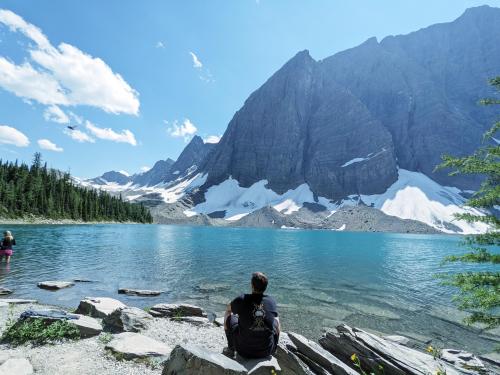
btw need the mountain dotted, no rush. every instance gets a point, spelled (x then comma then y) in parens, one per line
(362, 128)
(344, 124)
(155, 175)
(113, 177)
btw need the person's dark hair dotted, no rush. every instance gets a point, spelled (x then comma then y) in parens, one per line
(259, 282)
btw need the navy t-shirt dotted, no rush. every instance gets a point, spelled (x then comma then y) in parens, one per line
(256, 320)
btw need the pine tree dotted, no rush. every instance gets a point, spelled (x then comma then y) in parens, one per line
(479, 291)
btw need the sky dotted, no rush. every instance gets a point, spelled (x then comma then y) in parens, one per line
(137, 79)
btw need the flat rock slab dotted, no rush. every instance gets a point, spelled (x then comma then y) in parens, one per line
(317, 355)
(190, 359)
(127, 319)
(139, 292)
(5, 291)
(171, 310)
(18, 301)
(84, 281)
(98, 307)
(55, 285)
(87, 326)
(261, 366)
(463, 360)
(130, 345)
(16, 366)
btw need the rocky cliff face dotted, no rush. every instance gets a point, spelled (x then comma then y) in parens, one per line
(156, 175)
(344, 124)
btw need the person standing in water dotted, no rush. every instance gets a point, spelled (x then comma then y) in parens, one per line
(7, 243)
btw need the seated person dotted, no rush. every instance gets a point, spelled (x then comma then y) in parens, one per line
(251, 322)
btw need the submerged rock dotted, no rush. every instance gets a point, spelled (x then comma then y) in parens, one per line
(189, 359)
(98, 307)
(130, 345)
(171, 310)
(127, 319)
(139, 292)
(211, 287)
(5, 291)
(17, 301)
(55, 285)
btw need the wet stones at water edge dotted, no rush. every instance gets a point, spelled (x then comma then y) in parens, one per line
(55, 285)
(18, 301)
(139, 292)
(174, 310)
(5, 291)
(127, 319)
(98, 307)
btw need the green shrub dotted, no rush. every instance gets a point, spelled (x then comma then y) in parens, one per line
(39, 332)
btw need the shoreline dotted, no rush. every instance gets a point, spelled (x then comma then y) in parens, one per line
(47, 221)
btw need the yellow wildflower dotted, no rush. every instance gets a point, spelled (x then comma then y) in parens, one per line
(430, 349)
(354, 357)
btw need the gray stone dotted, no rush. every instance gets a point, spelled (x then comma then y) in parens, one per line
(16, 366)
(463, 360)
(318, 355)
(260, 366)
(194, 320)
(55, 285)
(139, 292)
(401, 340)
(18, 301)
(127, 319)
(128, 345)
(219, 321)
(87, 326)
(288, 360)
(189, 359)
(83, 281)
(211, 287)
(98, 307)
(171, 310)
(5, 291)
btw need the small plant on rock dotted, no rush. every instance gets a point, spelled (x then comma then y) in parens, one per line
(39, 332)
(357, 363)
(105, 338)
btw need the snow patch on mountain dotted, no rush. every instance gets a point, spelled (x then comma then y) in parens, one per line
(238, 201)
(416, 196)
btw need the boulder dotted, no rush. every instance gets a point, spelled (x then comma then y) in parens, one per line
(315, 354)
(288, 360)
(87, 326)
(98, 307)
(55, 285)
(139, 292)
(18, 301)
(171, 310)
(189, 359)
(127, 319)
(374, 351)
(16, 366)
(5, 291)
(129, 345)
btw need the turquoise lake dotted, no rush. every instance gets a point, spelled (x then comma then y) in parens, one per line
(381, 282)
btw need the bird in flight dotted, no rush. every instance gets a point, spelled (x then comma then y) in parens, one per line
(72, 127)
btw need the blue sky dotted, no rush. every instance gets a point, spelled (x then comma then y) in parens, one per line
(139, 78)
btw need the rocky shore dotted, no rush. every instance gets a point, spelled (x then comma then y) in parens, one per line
(36, 220)
(107, 337)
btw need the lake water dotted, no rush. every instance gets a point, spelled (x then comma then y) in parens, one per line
(381, 282)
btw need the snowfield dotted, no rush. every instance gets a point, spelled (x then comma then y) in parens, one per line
(413, 196)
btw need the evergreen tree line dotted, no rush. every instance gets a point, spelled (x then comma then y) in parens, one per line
(44, 192)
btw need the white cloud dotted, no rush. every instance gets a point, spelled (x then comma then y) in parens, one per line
(185, 130)
(76, 118)
(45, 144)
(212, 139)
(55, 114)
(65, 75)
(126, 136)
(160, 44)
(196, 62)
(79, 136)
(145, 169)
(12, 136)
